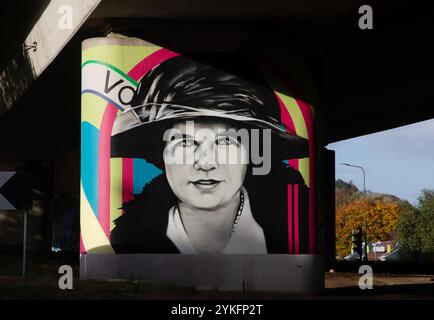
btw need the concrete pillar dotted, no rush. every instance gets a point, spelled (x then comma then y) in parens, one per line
(112, 70)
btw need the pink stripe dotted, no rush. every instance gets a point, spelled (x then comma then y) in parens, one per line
(285, 116)
(82, 248)
(137, 72)
(293, 163)
(104, 168)
(289, 125)
(290, 251)
(140, 69)
(104, 146)
(127, 179)
(308, 118)
(296, 227)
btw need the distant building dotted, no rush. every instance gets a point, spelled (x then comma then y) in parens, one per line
(379, 248)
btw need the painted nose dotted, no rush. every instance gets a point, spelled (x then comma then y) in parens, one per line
(205, 157)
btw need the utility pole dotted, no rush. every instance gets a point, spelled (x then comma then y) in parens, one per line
(364, 216)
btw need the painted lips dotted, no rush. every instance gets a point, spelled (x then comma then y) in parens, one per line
(208, 184)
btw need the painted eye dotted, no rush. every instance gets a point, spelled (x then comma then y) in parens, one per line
(225, 141)
(187, 142)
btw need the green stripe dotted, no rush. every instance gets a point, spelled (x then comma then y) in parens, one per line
(133, 82)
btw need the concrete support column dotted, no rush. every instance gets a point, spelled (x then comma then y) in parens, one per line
(114, 75)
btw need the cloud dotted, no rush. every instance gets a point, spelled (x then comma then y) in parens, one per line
(412, 142)
(404, 154)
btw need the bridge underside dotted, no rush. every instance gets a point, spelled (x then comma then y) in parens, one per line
(367, 80)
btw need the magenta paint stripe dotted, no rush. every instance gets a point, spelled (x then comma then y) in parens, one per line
(293, 163)
(285, 116)
(127, 179)
(296, 225)
(136, 73)
(290, 250)
(308, 118)
(82, 248)
(104, 168)
(289, 125)
(140, 69)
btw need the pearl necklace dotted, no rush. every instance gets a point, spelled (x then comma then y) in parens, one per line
(240, 210)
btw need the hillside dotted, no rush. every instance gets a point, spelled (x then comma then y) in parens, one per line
(346, 192)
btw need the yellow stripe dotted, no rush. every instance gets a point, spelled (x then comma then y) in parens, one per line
(295, 113)
(303, 167)
(297, 118)
(115, 190)
(300, 129)
(94, 238)
(123, 57)
(289, 102)
(92, 109)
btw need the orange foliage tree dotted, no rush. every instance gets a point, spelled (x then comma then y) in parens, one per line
(381, 220)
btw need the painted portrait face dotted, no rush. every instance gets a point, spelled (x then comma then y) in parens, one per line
(211, 163)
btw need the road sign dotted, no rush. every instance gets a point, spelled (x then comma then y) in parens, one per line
(16, 194)
(15, 190)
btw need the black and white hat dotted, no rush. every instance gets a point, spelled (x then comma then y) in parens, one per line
(204, 87)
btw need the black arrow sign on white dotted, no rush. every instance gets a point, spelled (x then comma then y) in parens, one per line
(15, 190)
(4, 203)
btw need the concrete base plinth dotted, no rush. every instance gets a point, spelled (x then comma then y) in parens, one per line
(271, 272)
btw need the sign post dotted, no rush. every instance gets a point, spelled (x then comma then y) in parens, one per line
(16, 194)
(25, 244)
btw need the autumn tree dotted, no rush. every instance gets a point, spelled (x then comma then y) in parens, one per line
(381, 218)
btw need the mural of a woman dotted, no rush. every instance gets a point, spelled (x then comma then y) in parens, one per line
(206, 203)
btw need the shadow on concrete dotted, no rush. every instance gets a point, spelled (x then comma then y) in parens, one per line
(407, 291)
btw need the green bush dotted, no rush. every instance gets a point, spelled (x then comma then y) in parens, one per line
(416, 225)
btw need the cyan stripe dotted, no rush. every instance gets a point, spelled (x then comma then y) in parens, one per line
(144, 172)
(89, 163)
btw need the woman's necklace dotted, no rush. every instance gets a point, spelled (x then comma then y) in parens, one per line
(240, 210)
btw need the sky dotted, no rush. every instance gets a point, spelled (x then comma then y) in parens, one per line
(399, 161)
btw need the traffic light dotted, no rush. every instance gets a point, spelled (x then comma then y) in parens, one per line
(357, 242)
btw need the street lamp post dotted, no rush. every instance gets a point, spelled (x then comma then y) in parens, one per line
(364, 218)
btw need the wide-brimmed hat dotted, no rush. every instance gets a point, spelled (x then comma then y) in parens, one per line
(183, 88)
